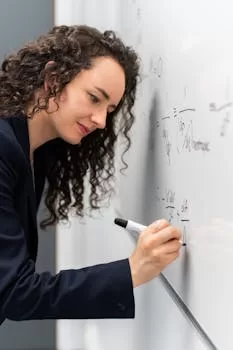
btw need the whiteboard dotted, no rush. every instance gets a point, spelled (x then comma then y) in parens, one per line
(180, 164)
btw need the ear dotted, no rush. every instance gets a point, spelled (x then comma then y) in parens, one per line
(51, 82)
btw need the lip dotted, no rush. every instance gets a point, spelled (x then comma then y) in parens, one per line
(84, 130)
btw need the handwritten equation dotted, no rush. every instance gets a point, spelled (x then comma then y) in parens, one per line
(184, 140)
(224, 109)
(175, 212)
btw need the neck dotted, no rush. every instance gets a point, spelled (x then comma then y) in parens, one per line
(40, 131)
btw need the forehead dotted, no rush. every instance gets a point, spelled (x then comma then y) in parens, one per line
(105, 73)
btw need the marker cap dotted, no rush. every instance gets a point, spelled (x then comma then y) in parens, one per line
(121, 222)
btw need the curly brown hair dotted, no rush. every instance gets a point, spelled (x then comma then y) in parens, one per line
(71, 49)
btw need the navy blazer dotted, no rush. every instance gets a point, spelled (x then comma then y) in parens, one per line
(101, 291)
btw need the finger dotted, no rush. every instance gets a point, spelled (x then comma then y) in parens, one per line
(166, 234)
(172, 256)
(171, 247)
(156, 226)
(166, 250)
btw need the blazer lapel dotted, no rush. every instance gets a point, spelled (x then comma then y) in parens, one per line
(20, 127)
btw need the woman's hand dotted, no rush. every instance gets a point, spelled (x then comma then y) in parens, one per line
(158, 245)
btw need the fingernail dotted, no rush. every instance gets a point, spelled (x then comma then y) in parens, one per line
(157, 223)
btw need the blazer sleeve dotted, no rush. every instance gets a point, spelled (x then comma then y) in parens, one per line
(101, 291)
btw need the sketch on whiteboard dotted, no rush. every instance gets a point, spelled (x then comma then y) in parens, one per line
(170, 196)
(184, 206)
(185, 137)
(184, 129)
(225, 123)
(167, 143)
(187, 110)
(183, 212)
(214, 108)
(185, 140)
(139, 14)
(226, 108)
(201, 146)
(156, 67)
(175, 211)
(164, 118)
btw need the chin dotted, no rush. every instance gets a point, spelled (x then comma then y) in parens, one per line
(74, 142)
(71, 140)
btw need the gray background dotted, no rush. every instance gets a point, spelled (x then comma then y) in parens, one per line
(21, 21)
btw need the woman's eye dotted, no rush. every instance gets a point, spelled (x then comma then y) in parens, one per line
(94, 99)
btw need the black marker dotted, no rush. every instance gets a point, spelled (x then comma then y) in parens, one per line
(133, 227)
(130, 225)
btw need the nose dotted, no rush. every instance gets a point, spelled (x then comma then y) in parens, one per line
(99, 119)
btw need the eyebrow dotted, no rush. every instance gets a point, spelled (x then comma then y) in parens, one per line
(105, 94)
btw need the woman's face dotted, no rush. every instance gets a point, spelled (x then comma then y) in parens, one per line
(85, 102)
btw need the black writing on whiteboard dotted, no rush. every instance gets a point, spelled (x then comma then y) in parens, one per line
(156, 66)
(224, 111)
(186, 141)
(167, 143)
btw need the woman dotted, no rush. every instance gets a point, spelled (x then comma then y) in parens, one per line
(64, 99)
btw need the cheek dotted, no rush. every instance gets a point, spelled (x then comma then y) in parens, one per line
(72, 107)
(61, 102)
(63, 97)
(55, 104)
(68, 102)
